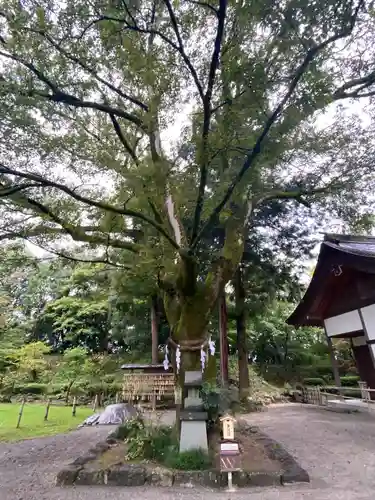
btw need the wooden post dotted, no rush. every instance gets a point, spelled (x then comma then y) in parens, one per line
(74, 408)
(154, 332)
(20, 413)
(47, 410)
(335, 366)
(95, 403)
(223, 320)
(117, 397)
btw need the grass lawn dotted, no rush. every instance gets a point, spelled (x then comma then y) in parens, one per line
(32, 423)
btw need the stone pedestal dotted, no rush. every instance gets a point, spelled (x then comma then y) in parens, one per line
(193, 417)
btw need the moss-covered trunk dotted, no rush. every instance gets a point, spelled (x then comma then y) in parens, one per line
(190, 299)
(189, 317)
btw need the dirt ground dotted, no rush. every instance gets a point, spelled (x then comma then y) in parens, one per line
(253, 455)
(337, 450)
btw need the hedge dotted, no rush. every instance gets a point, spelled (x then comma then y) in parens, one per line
(314, 381)
(78, 389)
(350, 380)
(32, 388)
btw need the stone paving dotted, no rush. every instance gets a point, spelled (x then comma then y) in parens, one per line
(338, 451)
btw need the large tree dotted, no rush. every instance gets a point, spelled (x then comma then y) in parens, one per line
(89, 95)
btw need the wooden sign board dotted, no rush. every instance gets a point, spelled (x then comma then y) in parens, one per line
(229, 448)
(230, 463)
(230, 458)
(145, 386)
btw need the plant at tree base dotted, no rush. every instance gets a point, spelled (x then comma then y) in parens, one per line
(90, 89)
(159, 443)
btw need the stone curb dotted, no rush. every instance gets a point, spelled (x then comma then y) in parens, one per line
(293, 472)
(74, 473)
(140, 475)
(137, 475)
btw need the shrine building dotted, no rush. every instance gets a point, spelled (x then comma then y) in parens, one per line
(341, 299)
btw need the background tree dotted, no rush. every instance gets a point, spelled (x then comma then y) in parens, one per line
(75, 363)
(31, 360)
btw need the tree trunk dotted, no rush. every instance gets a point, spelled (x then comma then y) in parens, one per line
(190, 301)
(335, 365)
(286, 353)
(243, 355)
(69, 388)
(223, 332)
(188, 318)
(154, 332)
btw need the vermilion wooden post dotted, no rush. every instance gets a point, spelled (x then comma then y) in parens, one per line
(223, 331)
(154, 332)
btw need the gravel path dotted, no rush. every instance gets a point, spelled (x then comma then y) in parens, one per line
(28, 468)
(338, 451)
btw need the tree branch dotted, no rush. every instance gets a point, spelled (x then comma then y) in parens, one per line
(207, 113)
(204, 4)
(134, 157)
(255, 151)
(358, 84)
(123, 140)
(35, 231)
(77, 234)
(181, 49)
(103, 206)
(91, 71)
(295, 194)
(64, 98)
(73, 258)
(8, 191)
(151, 31)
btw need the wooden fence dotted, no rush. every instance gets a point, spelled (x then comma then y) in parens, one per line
(321, 395)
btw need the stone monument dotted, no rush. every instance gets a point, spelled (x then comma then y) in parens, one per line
(193, 417)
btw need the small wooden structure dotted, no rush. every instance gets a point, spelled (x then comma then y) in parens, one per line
(341, 299)
(142, 368)
(228, 421)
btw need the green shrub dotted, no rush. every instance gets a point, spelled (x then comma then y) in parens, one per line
(189, 460)
(353, 394)
(350, 380)
(323, 370)
(92, 389)
(147, 441)
(313, 381)
(54, 389)
(162, 444)
(114, 388)
(217, 401)
(159, 443)
(33, 388)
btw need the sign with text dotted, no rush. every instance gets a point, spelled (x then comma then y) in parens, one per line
(227, 423)
(228, 448)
